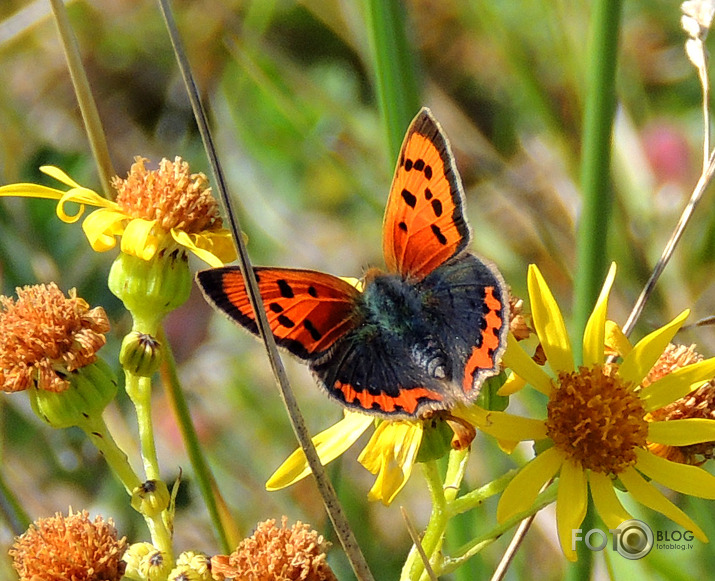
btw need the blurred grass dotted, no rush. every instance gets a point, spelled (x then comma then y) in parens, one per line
(290, 90)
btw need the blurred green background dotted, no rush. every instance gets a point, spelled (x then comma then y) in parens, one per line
(291, 94)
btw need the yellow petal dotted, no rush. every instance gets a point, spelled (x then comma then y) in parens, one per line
(571, 504)
(101, 228)
(549, 323)
(677, 384)
(682, 478)
(138, 239)
(502, 425)
(683, 432)
(512, 384)
(31, 191)
(182, 238)
(650, 496)
(616, 340)
(594, 334)
(519, 361)
(329, 444)
(395, 451)
(606, 501)
(521, 492)
(646, 352)
(59, 175)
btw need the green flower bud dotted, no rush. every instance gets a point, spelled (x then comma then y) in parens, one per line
(140, 354)
(90, 389)
(151, 498)
(436, 438)
(191, 566)
(151, 288)
(144, 562)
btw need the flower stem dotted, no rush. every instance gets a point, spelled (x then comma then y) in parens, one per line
(139, 391)
(224, 525)
(595, 159)
(98, 433)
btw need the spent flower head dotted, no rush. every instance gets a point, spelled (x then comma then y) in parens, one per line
(71, 547)
(597, 428)
(45, 335)
(276, 553)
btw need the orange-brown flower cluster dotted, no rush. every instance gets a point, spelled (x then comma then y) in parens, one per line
(698, 404)
(170, 195)
(71, 548)
(276, 554)
(44, 335)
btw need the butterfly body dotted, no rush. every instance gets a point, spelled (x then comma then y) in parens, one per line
(421, 336)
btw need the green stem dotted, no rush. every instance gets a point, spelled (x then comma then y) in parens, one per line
(595, 160)
(477, 497)
(395, 72)
(224, 526)
(434, 533)
(87, 104)
(98, 433)
(139, 391)
(476, 545)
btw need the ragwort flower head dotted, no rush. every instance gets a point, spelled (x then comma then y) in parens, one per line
(44, 335)
(74, 547)
(155, 209)
(597, 428)
(275, 553)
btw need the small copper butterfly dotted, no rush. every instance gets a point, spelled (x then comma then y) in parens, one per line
(422, 336)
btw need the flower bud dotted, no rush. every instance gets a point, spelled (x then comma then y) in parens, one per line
(151, 498)
(140, 354)
(144, 562)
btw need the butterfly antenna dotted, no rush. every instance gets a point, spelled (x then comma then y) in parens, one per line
(325, 487)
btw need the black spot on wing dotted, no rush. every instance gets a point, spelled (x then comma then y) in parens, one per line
(314, 333)
(438, 234)
(275, 307)
(409, 198)
(286, 321)
(437, 207)
(285, 289)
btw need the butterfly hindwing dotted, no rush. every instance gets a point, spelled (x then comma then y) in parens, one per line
(308, 311)
(424, 224)
(468, 302)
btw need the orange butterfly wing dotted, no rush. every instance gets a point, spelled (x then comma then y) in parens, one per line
(424, 224)
(307, 310)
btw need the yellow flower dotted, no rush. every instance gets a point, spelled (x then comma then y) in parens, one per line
(72, 547)
(596, 429)
(153, 209)
(390, 453)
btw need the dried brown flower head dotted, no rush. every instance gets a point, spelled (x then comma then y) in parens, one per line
(518, 323)
(71, 548)
(276, 554)
(700, 403)
(170, 195)
(44, 334)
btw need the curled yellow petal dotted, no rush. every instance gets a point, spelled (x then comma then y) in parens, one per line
(571, 504)
(24, 190)
(329, 444)
(391, 454)
(616, 340)
(595, 332)
(606, 501)
(648, 495)
(549, 323)
(139, 239)
(646, 352)
(101, 228)
(521, 492)
(203, 247)
(502, 425)
(59, 175)
(512, 384)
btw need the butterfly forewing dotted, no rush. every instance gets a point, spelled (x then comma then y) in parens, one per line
(307, 310)
(424, 225)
